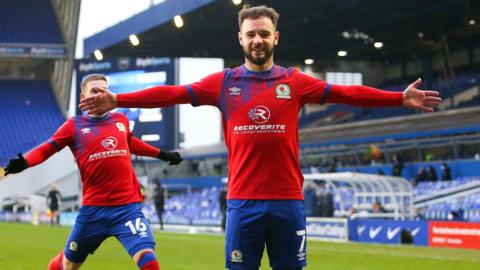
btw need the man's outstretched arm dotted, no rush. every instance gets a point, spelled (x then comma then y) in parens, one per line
(412, 97)
(318, 91)
(62, 137)
(33, 158)
(204, 92)
(154, 97)
(140, 148)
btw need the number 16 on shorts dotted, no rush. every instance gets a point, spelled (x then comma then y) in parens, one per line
(137, 227)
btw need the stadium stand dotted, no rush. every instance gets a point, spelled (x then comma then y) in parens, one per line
(29, 22)
(201, 207)
(335, 114)
(26, 105)
(198, 208)
(333, 138)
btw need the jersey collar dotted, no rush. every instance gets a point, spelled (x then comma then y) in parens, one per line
(96, 119)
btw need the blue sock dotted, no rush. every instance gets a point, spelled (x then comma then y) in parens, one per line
(146, 258)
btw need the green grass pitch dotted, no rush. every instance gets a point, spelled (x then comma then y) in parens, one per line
(25, 247)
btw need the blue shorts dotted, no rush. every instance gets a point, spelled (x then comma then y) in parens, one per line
(278, 224)
(94, 224)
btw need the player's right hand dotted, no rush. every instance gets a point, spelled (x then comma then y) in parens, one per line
(16, 165)
(99, 103)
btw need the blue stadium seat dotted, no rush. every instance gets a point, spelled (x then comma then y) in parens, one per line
(335, 114)
(30, 112)
(29, 21)
(198, 208)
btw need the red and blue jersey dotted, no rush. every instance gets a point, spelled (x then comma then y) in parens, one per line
(260, 121)
(102, 148)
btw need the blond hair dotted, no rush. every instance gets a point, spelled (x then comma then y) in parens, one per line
(92, 77)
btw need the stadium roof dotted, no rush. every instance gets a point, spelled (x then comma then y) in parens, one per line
(408, 29)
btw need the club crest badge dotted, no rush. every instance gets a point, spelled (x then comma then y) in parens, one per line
(283, 91)
(73, 246)
(237, 256)
(121, 127)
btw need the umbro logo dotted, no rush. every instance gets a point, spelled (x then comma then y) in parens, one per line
(234, 91)
(86, 130)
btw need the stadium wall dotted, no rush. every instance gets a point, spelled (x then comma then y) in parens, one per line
(56, 168)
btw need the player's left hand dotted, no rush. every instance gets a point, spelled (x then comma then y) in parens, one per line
(16, 165)
(424, 100)
(174, 157)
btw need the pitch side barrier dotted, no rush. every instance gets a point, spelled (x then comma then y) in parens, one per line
(327, 229)
(449, 234)
(417, 232)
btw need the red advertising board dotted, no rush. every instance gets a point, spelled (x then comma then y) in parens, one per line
(454, 234)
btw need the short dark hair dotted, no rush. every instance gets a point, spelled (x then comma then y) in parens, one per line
(92, 77)
(256, 12)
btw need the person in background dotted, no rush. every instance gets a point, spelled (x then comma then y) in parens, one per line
(397, 165)
(431, 174)
(420, 177)
(54, 199)
(222, 199)
(378, 208)
(159, 200)
(102, 144)
(310, 200)
(329, 206)
(446, 172)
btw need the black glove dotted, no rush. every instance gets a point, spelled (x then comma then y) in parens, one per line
(16, 165)
(173, 157)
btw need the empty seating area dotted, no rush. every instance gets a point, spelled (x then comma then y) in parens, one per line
(426, 188)
(447, 88)
(464, 208)
(197, 208)
(30, 112)
(456, 207)
(29, 21)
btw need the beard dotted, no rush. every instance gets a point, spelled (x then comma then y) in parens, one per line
(258, 60)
